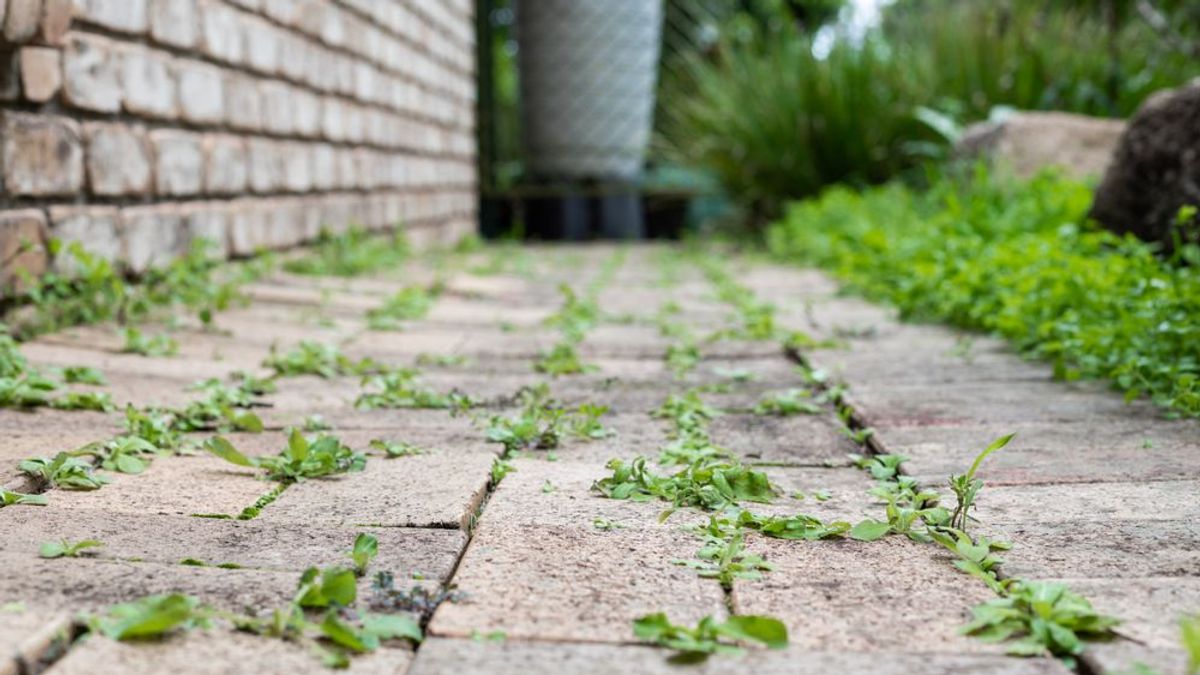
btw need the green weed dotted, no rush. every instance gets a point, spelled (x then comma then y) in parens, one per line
(83, 375)
(966, 486)
(10, 498)
(789, 402)
(302, 459)
(1189, 628)
(562, 359)
(726, 560)
(63, 471)
(394, 449)
(151, 617)
(366, 547)
(1091, 303)
(314, 358)
(410, 303)
(352, 253)
(137, 342)
(1040, 619)
(682, 358)
(710, 636)
(67, 549)
(401, 389)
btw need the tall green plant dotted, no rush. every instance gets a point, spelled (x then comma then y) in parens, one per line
(773, 121)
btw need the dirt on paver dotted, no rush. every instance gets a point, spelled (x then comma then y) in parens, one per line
(542, 573)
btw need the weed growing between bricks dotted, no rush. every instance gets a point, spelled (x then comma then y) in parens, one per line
(578, 315)
(324, 615)
(1034, 618)
(93, 291)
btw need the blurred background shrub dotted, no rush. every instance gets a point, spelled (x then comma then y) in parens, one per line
(786, 99)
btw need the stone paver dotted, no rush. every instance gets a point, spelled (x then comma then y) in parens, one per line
(216, 653)
(1093, 491)
(565, 583)
(440, 656)
(438, 490)
(834, 595)
(255, 543)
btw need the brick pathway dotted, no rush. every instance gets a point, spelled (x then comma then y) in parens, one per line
(1093, 491)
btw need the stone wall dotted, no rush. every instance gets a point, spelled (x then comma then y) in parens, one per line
(134, 126)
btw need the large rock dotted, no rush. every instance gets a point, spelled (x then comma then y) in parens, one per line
(1156, 168)
(1028, 142)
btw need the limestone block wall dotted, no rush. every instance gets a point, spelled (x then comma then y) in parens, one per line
(134, 126)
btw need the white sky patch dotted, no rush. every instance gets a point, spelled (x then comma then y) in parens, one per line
(856, 19)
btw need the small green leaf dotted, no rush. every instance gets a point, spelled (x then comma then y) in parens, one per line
(870, 530)
(222, 448)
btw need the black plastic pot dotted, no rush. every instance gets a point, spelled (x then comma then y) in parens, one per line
(559, 218)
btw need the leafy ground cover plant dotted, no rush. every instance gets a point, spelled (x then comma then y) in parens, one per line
(352, 253)
(1039, 619)
(67, 549)
(302, 459)
(710, 636)
(1093, 304)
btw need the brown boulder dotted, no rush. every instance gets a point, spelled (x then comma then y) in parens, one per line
(1027, 142)
(1155, 170)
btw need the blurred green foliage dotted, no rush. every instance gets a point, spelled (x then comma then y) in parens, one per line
(778, 113)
